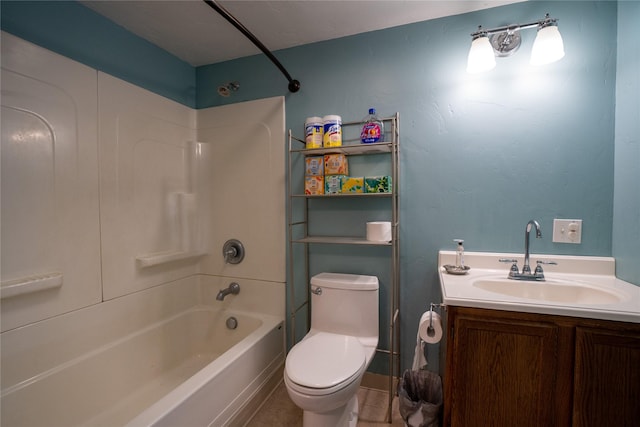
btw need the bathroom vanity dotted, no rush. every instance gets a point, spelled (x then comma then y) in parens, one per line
(563, 352)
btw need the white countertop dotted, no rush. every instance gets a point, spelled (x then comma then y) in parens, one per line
(596, 272)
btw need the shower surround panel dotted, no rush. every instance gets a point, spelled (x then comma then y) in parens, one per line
(113, 196)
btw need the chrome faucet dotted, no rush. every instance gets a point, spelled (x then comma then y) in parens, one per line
(233, 288)
(526, 269)
(526, 274)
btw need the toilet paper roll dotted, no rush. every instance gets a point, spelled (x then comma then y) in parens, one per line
(427, 335)
(379, 231)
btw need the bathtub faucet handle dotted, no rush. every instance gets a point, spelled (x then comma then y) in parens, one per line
(233, 251)
(233, 288)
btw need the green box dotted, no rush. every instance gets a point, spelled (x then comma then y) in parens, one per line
(378, 184)
(333, 184)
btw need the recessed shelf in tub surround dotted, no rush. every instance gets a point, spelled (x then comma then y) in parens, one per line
(183, 208)
(578, 286)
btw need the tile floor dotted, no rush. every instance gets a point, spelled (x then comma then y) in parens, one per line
(280, 411)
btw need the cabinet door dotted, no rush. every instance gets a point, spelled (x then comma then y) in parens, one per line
(502, 372)
(607, 378)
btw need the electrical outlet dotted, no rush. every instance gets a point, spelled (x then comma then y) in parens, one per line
(567, 230)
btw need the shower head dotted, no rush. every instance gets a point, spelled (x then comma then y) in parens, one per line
(226, 89)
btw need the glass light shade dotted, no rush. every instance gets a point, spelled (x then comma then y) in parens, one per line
(547, 47)
(481, 57)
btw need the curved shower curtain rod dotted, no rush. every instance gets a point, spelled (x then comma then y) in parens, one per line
(294, 85)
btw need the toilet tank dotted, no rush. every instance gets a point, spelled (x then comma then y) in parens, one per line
(347, 305)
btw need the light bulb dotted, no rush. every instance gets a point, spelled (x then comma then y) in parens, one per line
(548, 46)
(481, 56)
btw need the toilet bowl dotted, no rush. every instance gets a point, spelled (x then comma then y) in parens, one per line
(322, 375)
(324, 370)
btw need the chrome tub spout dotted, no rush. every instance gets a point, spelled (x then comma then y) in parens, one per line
(233, 288)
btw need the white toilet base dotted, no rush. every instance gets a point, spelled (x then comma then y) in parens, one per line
(343, 416)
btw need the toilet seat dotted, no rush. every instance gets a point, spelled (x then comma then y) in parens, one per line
(325, 363)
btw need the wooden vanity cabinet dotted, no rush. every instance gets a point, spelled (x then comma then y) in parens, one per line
(517, 369)
(506, 369)
(607, 376)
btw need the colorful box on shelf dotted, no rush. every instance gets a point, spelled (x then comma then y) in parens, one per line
(314, 166)
(352, 184)
(333, 184)
(378, 184)
(336, 164)
(313, 185)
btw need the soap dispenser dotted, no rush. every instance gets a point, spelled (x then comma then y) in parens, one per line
(459, 267)
(459, 254)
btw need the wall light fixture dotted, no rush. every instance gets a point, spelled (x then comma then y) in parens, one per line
(505, 41)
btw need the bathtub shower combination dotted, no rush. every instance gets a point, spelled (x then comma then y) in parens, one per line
(118, 307)
(109, 365)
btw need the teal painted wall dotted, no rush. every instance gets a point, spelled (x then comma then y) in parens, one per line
(626, 207)
(73, 30)
(480, 155)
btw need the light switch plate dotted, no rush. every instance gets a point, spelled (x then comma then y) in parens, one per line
(567, 230)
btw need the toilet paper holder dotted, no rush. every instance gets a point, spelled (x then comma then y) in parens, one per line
(431, 307)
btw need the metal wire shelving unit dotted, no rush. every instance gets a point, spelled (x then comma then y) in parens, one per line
(298, 233)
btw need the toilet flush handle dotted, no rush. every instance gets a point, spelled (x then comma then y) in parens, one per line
(317, 291)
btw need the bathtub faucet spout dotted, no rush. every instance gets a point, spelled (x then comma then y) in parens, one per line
(233, 288)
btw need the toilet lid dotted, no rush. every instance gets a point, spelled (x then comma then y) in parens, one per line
(324, 360)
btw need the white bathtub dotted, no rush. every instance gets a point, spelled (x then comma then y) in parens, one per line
(161, 357)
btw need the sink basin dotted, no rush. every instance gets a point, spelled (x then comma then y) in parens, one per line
(578, 286)
(551, 290)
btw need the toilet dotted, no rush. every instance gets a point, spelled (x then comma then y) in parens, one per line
(324, 370)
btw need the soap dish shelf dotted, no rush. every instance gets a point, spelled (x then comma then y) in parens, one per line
(30, 284)
(159, 258)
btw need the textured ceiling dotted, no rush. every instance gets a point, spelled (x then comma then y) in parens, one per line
(194, 32)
